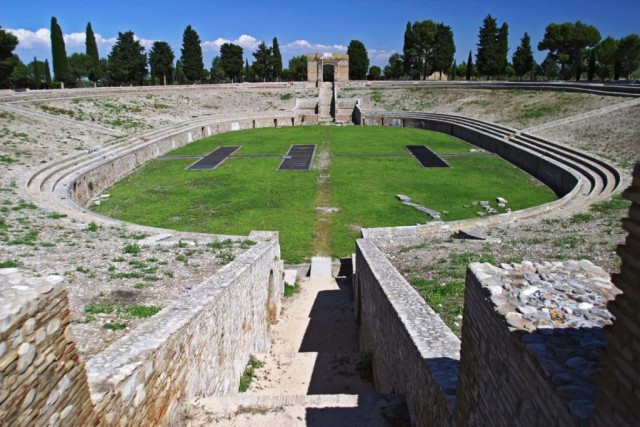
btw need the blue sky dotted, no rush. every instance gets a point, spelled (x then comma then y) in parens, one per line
(301, 27)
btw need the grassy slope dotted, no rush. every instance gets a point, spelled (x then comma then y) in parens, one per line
(248, 194)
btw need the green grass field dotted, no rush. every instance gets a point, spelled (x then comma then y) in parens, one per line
(246, 194)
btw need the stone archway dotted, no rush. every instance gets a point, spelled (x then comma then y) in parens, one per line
(317, 61)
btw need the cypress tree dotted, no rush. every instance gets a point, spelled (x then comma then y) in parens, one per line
(358, 60)
(469, 67)
(93, 69)
(488, 58)
(161, 59)
(277, 60)
(191, 58)
(47, 74)
(454, 70)
(58, 53)
(523, 57)
(37, 77)
(503, 48)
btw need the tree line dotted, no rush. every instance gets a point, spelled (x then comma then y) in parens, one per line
(574, 51)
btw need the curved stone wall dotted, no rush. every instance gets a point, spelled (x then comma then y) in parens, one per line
(572, 175)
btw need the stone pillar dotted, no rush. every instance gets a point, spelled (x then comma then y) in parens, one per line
(619, 399)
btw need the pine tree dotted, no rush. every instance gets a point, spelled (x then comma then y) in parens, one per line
(298, 68)
(566, 43)
(58, 53)
(191, 57)
(469, 67)
(47, 74)
(263, 66)
(231, 60)
(217, 72)
(493, 47)
(277, 60)
(8, 61)
(443, 50)
(127, 61)
(92, 53)
(358, 60)
(394, 70)
(523, 57)
(161, 59)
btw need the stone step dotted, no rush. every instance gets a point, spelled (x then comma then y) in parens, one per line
(321, 267)
(298, 410)
(309, 373)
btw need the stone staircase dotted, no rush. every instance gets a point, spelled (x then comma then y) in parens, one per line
(325, 102)
(310, 375)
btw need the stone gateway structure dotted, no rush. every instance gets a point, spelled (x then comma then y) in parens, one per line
(317, 61)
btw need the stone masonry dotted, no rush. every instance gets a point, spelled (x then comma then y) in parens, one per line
(550, 343)
(618, 402)
(43, 378)
(196, 346)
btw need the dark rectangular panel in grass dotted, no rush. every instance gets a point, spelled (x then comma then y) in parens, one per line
(298, 158)
(213, 159)
(426, 157)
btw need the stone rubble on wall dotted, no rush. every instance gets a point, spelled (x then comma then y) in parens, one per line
(560, 309)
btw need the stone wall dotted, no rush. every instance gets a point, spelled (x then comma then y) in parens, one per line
(42, 377)
(415, 353)
(618, 402)
(196, 346)
(531, 338)
(316, 61)
(120, 162)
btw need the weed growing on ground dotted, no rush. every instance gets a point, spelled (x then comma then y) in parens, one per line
(291, 290)
(249, 374)
(10, 263)
(132, 249)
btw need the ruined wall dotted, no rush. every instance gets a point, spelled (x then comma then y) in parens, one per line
(43, 379)
(196, 346)
(531, 338)
(620, 381)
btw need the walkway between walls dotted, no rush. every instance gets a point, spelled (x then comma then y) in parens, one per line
(313, 374)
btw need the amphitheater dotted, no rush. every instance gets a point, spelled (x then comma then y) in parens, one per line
(546, 339)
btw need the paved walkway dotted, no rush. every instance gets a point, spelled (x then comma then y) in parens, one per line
(310, 375)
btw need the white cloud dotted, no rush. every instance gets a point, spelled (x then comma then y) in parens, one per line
(74, 42)
(304, 46)
(379, 56)
(247, 42)
(146, 43)
(40, 39)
